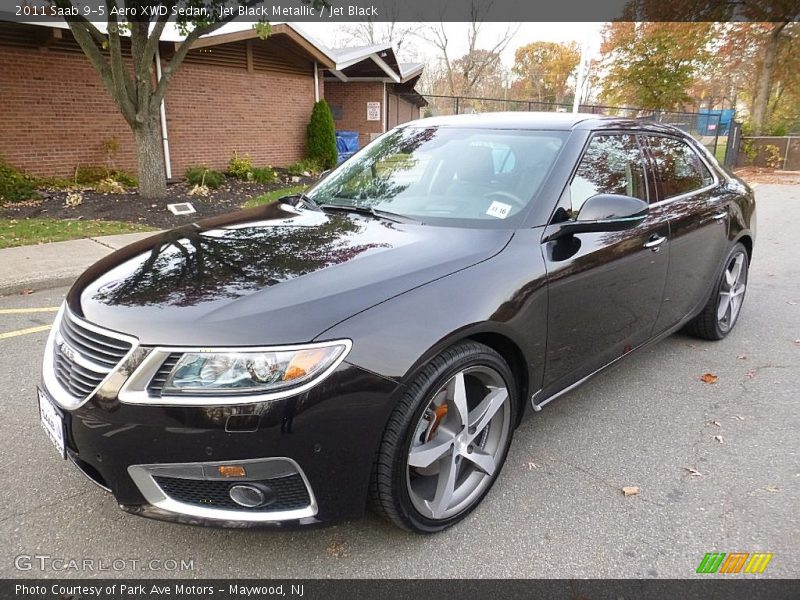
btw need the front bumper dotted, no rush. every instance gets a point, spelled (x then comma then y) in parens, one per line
(324, 438)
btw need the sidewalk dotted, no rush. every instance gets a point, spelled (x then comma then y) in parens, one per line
(59, 263)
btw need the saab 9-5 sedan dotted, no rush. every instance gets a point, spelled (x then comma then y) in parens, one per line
(378, 339)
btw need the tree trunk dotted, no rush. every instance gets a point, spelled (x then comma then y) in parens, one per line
(150, 152)
(764, 85)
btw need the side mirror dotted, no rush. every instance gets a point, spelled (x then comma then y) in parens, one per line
(604, 212)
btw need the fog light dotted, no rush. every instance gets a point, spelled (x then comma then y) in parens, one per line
(251, 496)
(231, 471)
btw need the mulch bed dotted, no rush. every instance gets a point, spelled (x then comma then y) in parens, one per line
(763, 175)
(131, 208)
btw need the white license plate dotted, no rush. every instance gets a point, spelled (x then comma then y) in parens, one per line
(52, 423)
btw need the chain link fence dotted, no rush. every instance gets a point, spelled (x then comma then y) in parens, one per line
(709, 128)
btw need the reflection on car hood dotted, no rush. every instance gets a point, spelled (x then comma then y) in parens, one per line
(268, 275)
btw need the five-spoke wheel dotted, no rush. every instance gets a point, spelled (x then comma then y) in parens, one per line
(447, 439)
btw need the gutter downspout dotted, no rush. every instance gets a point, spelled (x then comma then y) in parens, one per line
(163, 113)
(385, 110)
(316, 82)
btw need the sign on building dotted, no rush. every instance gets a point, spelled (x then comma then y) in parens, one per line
(373, 111)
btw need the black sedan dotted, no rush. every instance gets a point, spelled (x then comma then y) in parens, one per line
(379, 339)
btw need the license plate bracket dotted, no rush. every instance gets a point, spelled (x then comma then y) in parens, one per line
(52, 421)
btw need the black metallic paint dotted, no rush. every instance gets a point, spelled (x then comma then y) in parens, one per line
(557, 310)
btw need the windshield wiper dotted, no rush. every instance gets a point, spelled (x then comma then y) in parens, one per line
(306, 201)
(371, 210)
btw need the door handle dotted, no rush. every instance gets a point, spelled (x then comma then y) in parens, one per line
(655, 241)
(719, 216)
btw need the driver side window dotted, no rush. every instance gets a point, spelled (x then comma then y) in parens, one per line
(612, 164)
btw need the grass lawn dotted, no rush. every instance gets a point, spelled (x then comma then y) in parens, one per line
(275, 194)
(23, 232)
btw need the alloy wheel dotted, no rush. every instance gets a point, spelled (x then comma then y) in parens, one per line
(731, 292)
(459, 442)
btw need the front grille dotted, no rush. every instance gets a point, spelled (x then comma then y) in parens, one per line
(83, 358)
(291, 492)
(156, 385)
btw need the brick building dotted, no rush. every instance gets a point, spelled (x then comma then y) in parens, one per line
(234, 92)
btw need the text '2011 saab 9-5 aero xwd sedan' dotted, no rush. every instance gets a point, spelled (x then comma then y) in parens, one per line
(379, 339)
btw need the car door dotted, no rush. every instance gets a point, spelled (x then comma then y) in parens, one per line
(686, 188)
(604, 289)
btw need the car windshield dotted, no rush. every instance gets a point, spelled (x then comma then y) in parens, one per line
(445, 176)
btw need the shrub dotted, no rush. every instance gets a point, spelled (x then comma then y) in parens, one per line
(772, 156)
(15, 186)
(241, 168)
(321, 136)
(204, 176)
(90, 174)
(125, 179)
(306, 166)
(109, 186)
(263, 175)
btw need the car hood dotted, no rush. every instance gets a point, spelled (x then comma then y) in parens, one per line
(270, 275)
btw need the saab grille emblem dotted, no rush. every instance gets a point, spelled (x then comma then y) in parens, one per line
(735, 562)
(68, 351)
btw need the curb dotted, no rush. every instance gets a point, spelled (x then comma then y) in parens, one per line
(47, 266)
(38, 284)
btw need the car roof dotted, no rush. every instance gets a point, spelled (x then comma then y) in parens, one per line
(541, 120)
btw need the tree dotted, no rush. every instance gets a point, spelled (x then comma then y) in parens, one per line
(463, 78)
(321, 136)
(124, 58)
(545, 68)
(396, 34)
(652, 65)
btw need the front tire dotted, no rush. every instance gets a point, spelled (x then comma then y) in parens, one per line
(446, 440)
(719, 315)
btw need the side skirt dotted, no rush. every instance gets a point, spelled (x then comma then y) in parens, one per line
(538, 403)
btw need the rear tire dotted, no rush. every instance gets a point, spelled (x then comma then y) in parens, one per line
(446, 440)
(721, 312)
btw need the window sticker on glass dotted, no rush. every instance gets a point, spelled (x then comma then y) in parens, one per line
(499, 210)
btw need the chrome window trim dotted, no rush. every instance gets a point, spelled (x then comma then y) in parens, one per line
(700, 155)
(55, 390)
(134, 390)
(152, 492)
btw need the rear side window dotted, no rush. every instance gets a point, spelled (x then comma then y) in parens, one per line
(678, 167)
(612, 164)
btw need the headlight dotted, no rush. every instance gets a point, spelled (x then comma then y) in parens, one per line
(251, 372)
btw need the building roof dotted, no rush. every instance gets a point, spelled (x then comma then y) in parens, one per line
(370, 62)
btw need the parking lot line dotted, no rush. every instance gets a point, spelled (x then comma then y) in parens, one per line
(22, 311)
(19, 332)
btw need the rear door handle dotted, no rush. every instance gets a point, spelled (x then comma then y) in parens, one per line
(719, 216)
(655, 241)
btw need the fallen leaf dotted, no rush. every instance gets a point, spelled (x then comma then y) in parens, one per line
(694, 472)
(716, 423)
(751, 373)
(532, 466)
(738, 417)
(709, 378)
(771, 488)
(742, 357)
(791, 303)
(337, 550)
(26, 292)
(718, 438)
(630, 491)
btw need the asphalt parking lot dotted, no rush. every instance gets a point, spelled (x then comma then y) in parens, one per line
(717, 466)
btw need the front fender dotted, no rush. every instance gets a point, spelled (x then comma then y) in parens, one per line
(504, 297)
